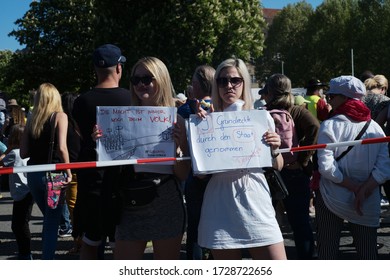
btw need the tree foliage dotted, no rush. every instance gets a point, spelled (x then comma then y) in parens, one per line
(61, 35)
(286, 42)
(184, 34)
(8, 88)
(319, 43)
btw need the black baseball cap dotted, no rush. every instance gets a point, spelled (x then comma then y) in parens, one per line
(107, 55)
(315, 83)
(264, 90)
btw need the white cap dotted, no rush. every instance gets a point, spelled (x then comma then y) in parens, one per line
(347, 85)
(181, 96)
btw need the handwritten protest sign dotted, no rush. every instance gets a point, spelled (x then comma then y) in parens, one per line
(229, 141)
(135, 132)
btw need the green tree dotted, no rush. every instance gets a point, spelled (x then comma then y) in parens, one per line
(59, 37)
(184, 33)
(11, 89)
(286, 45)
(332, 39)
(371, 20)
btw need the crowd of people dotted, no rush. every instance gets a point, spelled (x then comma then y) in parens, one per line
(222, 213)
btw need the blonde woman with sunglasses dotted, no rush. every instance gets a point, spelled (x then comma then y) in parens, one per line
(237, 211)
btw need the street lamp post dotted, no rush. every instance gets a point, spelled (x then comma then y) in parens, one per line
(278, 57)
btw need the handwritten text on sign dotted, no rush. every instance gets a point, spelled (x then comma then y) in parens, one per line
(135, 132)
(229, 140)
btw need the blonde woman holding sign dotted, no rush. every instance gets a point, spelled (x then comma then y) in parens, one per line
(163, 219)
(237, 211)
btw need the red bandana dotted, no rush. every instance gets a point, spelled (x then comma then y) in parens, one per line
(354, 109)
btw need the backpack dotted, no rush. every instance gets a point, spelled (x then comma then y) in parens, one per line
(285, 127)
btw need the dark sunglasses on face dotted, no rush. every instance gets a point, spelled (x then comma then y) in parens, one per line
(224, 82)
(330, 97)
(146, 80)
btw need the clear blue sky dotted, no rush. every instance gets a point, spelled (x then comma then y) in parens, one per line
(279, 4)
(11, 10)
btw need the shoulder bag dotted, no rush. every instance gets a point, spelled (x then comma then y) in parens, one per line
(315, 179)
(275, 182)
(54, 180)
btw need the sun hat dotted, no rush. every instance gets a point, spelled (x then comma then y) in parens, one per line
(107, 56)
(12, 102)
(299, 100)
(315, 83)
(348, 86)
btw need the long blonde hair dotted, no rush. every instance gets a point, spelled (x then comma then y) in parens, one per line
(246, 90)
(164, 87)
(47, 100)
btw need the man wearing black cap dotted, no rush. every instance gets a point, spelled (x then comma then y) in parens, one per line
(260, 103)
(317, 106)
(93, 213)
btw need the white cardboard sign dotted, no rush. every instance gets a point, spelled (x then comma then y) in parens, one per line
(132, 132)
(229, 141)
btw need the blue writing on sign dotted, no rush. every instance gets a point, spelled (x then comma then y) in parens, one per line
(210, 151)
(244, 135)
(236, 122)
(204, 139)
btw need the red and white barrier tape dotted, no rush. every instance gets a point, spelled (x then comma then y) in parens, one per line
(334, 145)
(80, 165)
(94, 164)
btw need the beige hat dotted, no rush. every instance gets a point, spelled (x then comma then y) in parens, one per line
(12, 102)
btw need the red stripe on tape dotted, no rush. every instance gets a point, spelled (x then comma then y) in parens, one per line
(310, 147)
(376, 140)
(75, 165)
(150, 160)
(6, 170)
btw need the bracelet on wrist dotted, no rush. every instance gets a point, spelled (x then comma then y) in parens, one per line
(275, 155)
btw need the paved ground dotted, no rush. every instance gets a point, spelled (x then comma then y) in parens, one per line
(8, 248)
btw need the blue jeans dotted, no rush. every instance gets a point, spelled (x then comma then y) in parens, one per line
(65, 218)
(297, 207)
(51, 217)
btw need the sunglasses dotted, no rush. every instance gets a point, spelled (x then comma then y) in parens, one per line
(224, 82)
(146, 80)
(330, 97)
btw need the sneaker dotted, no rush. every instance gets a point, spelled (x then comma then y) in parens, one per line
(385, 220)
(65, 232)
(384, 202)
(385, 213)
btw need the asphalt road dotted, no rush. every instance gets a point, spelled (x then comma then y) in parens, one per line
(8, 247)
